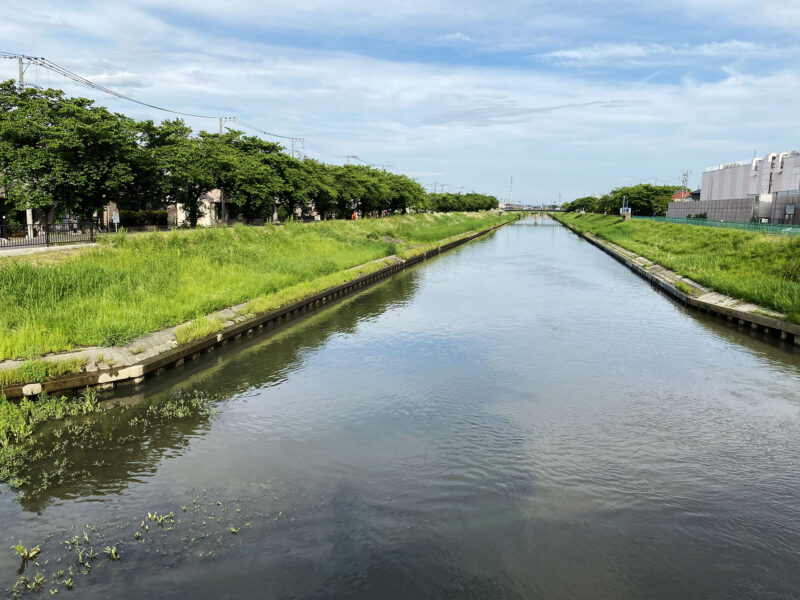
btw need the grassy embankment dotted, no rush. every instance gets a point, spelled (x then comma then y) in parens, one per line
(751, 266)
(129, 286)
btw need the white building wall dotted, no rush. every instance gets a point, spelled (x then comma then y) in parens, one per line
(775, 172)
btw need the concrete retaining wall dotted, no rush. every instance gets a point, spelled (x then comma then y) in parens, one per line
(135, 374)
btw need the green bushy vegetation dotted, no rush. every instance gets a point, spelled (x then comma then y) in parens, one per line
(643, 199)
(461, 202)
(751, 266)
(131, 285)
(41, 441)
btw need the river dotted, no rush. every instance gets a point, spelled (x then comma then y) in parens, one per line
(522, 417)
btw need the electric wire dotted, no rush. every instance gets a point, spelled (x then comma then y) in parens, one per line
(63, 71)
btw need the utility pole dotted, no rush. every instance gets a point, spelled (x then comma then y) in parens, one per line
(292, 147)
(685, 182)
(511, 191)
(349, 156)
(221, 121)
(28, 211)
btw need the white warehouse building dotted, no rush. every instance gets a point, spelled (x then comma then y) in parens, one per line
(768, 175)
(766, 189)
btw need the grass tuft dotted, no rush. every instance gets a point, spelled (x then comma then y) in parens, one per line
(197, 329)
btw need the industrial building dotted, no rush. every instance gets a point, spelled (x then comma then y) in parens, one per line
(766, 189)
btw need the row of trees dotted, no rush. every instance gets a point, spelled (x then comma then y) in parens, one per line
(644, 199)
(461, 202)
(65, 154)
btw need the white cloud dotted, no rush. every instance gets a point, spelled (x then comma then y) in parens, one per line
(556, 130)
(633, 54)
(118, 80)
(458, 37)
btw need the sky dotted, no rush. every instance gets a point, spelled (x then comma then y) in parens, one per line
(569, 98)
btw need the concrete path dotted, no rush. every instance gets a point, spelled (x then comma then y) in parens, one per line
(6, 251)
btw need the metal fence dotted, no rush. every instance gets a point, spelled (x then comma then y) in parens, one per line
(47, 235)
(752, 226)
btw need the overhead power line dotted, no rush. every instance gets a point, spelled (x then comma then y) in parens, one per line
(51, 66)
(254, 128)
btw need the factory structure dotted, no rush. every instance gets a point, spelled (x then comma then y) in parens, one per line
(764, 190)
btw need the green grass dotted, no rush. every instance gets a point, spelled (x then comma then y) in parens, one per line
(286, 296)
(39, 371)
(129, 286)
(751, 266)
(199, 328)
(686, 288)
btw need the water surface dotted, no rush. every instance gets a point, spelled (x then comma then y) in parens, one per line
(522, 417)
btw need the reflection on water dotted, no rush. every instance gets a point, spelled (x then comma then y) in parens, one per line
(522, 417)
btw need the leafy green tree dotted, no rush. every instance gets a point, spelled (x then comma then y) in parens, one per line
(255, 186)
(64, 153)
(351, 187)
(322, 192)
(587, 203)
(188, 173)
(404, 194)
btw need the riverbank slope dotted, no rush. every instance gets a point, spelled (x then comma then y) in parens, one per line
(170, 285)
(750, 266)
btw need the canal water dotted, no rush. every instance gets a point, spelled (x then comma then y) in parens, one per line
(520, 418)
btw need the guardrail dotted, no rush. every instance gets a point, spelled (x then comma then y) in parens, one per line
(47, 235)
(765, 227)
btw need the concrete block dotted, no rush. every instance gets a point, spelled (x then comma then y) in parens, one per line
(32, 389)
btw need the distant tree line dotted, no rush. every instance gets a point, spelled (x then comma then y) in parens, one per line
(63, 154)
(461, 202)
(644, 199)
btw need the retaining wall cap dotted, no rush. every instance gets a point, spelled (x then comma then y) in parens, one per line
(126, 373)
